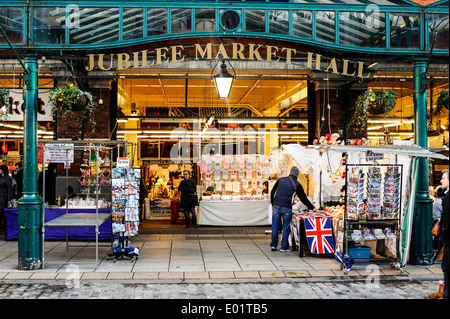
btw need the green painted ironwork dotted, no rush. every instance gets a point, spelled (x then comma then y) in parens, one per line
(400, 28)
(30, 205)
(421, 251)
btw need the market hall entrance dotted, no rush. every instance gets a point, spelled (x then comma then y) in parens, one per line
(154, 103)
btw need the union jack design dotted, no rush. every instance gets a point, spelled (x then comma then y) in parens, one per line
(319, 235)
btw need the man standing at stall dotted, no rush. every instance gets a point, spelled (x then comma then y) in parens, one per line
(282, 198)
(188, 198)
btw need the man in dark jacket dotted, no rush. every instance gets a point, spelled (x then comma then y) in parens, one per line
(188, 198)
(282, 198)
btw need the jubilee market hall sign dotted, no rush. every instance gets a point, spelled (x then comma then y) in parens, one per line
(176, 53)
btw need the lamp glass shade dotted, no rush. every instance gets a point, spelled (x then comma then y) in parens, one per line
(223, 82)
(223, 86)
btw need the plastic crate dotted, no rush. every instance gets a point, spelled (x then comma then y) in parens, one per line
(359, 253)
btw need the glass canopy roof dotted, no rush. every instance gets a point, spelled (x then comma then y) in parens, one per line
(382, 26)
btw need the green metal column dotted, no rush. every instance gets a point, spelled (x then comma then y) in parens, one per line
(30, 205)
(421, 251)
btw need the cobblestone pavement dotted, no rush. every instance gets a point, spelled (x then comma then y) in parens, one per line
(246, 290)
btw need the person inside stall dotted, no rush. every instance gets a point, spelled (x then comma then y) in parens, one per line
(6, 192)
(17, 176)
(170, 182)
(209, 191)
(50, 183)
(70, 194)
(265, 189)
(282, 198)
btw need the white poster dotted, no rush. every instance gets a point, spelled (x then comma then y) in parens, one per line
(58, 153)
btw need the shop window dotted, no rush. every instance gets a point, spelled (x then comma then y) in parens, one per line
(95, 25)
(362, 29)
(405, 30)
(279, 21)
(132, 23)
(166, 148)
(7, 146)
(255, 21)
(11, 20)
(302, 24)
(325, 26)
(181, 20)
(156, 21)
(438, 23)
(205, 20)
(149, 149)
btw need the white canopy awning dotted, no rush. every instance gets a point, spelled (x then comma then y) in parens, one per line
(408, 150)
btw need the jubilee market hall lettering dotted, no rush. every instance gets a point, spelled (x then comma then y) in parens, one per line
(175, 53)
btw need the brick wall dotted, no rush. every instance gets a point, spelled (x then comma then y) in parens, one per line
(342, 109)
(68, 128)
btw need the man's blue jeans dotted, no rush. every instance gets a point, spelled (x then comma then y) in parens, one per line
(278, 214)
(194, 216)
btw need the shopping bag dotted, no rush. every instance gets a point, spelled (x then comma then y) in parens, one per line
(269, 214)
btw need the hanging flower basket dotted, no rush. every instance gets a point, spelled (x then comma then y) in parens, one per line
(374, 102)
(378, 106)
(380, 102)
(80, 102)
(4, 107)
(69, 98)
(442, 102)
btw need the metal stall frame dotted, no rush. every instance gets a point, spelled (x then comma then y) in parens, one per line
(77, 219)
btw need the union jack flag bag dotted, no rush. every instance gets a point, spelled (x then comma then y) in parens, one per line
(319, 234)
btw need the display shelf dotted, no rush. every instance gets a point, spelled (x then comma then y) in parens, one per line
(372, 211)
(242, 185)
(125, 210)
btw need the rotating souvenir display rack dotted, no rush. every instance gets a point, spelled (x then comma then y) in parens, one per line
(236, 177)
(125, 210)
(372, 211)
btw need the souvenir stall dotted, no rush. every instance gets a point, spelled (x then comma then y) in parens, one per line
(88, 192)
(372, 219)
(235, 190)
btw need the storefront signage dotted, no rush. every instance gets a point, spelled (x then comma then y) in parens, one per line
(210, 51)
(16, 103)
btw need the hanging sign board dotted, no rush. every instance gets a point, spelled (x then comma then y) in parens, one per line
(372, 156)
(123, 162)
(58, 153)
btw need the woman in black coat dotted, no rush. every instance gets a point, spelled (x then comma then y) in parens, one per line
(188, 198)
(443, 234)
(6, 190)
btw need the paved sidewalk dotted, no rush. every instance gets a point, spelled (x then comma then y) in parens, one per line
(195, 258)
